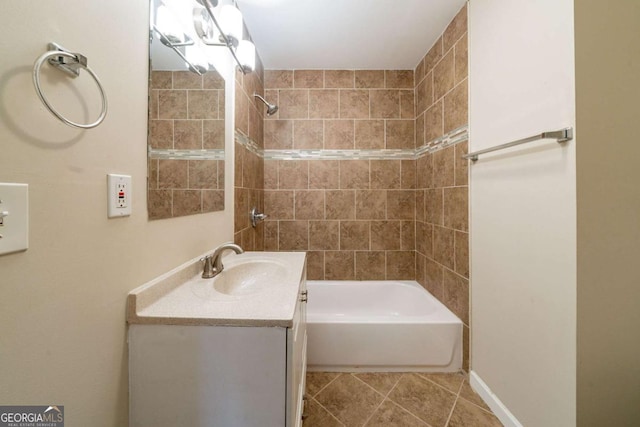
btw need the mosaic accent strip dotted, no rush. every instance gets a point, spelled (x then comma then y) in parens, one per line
(457, 135)
(211, 154)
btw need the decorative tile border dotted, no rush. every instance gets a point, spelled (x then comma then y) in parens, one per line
(171, 154)
(454, 137)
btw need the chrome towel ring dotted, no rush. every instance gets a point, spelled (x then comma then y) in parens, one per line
(70, 63)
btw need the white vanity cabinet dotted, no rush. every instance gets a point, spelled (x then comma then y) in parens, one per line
(196, 372)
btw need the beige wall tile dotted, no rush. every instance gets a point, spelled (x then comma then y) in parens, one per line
(408, 236)
(369, 79)
(241, 112)
(278, 134)
(308, 134)
(370, 265)
(434, 277)
(339, 134)
(309, 204)
(407, 104)
(339, 79)
(278, 79)
(385, 174)
(433, 122)
(278, 204)
(424, 239)
(213, 134)
(187, 202)
(385, 235)
(160, 203)
(354, 235)
(401, 265)
(456, 29)
(461, 165)
(385, 104)
(212, 200)
(293, 235)
(153, 103)
(371, 204)
(324, 104)
(161, 133)
(398, 79)
(272, 96)
(456, 107)
(203, 174)
(369, 134)
(202, 104)
(424, 170)
(186, 80)
(354, 174)
(443, 246)
(172, 173)
(408, 174)
(161, 80)
(172, 104)
(400, 134)
(443, 75)
(420, 213)
(308, 79)
(324, 235)
(418, 74)
(401, 204)
(461, 60)
(456, 208)
(433, 56)
(324, 174)
(187, 134)
(354, 104)
(420, 266)
(456, 295)
(315, 265)
(294, 104)
(462, 253)
(271, 235)
(212, 80)
(256, 127)
(339, 265)
(293, 174)
(270, 174)
(424, 94)
(340, 204)
(419, 136)
(433, 205)
(443, 167)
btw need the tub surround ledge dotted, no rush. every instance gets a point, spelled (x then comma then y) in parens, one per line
(182, 297)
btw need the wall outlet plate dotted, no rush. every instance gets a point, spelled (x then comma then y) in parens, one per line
(14, 218)
(118, 195)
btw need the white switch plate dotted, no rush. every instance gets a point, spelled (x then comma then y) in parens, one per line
(119, 195)
(14, 217)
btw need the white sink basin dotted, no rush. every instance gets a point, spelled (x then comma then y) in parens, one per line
(250, 277)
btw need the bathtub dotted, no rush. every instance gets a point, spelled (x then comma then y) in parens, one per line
(380, 326)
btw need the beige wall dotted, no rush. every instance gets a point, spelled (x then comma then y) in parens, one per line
(522, 208)
(607, 94)
(63, 335)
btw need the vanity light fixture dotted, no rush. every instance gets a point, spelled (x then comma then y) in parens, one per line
(230, 29)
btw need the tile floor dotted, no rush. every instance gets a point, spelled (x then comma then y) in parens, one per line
(394, 400)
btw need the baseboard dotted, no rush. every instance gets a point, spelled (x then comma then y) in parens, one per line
(498, 408)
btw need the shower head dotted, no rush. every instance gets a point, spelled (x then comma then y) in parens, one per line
(271, 108)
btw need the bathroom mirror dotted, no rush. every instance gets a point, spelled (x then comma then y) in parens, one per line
(186, 130)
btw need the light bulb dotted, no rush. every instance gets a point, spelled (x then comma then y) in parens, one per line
(168, 26)
(231, 23)
(196, 56)
(246, 53)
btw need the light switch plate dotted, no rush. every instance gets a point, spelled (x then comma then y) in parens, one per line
(14, 217)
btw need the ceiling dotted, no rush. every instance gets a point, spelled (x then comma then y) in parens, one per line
(345, 34)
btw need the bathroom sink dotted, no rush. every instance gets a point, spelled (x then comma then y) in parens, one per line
(250, 277)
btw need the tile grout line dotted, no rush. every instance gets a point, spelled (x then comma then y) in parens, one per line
(328, 412)
(455, 402)
(383, 398)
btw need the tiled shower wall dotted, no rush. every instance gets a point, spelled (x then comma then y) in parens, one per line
(355, 218)
(248, 164)
(186, 112)
(442, 223)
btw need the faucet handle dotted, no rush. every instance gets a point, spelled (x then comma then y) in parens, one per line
(207, 272)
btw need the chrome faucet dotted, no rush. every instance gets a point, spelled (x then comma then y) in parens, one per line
(213, 263)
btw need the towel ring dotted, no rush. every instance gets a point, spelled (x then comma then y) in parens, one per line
(78, 61)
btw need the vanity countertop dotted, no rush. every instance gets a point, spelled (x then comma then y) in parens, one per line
(182, 297)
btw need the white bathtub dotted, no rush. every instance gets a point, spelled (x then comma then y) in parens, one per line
(379, 326)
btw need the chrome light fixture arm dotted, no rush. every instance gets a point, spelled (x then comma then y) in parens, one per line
(174, 46)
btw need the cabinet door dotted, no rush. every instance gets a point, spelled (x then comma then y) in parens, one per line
(202, 376)
(297, 361)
